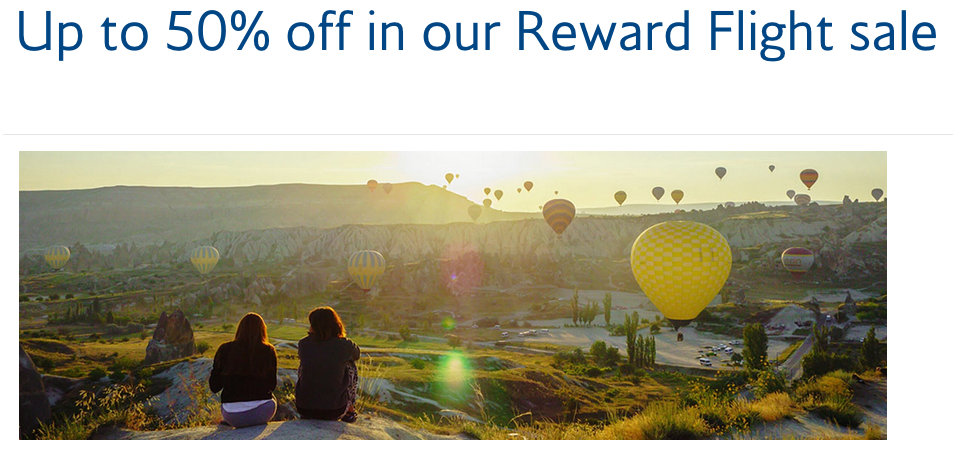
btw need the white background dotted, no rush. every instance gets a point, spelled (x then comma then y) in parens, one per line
(895, 101)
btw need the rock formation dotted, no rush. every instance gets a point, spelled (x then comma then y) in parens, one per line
(34, 404)
(173, 339)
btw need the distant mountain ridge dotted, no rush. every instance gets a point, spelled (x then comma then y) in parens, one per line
(152, 215)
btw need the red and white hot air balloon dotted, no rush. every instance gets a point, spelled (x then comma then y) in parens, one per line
(797, 261)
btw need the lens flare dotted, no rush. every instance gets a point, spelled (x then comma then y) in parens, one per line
(448, 324)
(454, 377)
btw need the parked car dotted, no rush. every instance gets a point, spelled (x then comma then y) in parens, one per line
(736, 342)
(544, 331)
(729, 350)
(505, 334)
(705, 362)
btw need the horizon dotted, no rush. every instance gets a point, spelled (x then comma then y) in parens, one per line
(589, 179)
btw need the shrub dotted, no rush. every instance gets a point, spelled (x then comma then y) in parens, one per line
(659, 421)
(134, 327)
(113, 329)
(44, 363)
(840, 411)
(97, 374)
(768, 381)
(202, 346)
(418, 363)
(655, 328)
(773, 407)
(626, 368)
(93, 336)
(594, 371)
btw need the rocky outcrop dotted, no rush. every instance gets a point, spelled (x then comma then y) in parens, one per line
(173, 339)
(34, 404)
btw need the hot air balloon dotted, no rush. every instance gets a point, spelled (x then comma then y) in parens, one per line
(791, 194)
(680, 266)
(498, 194)
(519, 190)
(771, 168)
(657, 193)
(372, 184)
(555, 192)
(474, 212)
(448, 177)
(365, 267)
(444, 186)
(802, 199)
(559, 213)
(540, 207)
(729, 204)
(56, 256)
(387, 187)
(528, 185)
(456, 176)
(797, 260)
(204, 258)
(487, 202)
(486, 190)
(877, 193)
(620, 197)
(809, 177)
(677, 195)
(720, 172)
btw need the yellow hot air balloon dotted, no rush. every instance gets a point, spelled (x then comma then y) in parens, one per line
(487, 202)
(387, 187)
(519, 190)
(372, 184)
(680, 266)
(205, 258)
(457, 176)
(555, 192)
(528, 185)
(448, 177)
(486, 190)
(365, 267)
(56, 256)
(498, 194)
(620, 197)
(558, 214)
(677, 195)
(474, 212)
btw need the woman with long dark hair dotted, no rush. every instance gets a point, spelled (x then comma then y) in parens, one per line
(327, 375)
(245, 370)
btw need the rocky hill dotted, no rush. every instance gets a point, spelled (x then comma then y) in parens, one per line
(849, 240)
(148, 215)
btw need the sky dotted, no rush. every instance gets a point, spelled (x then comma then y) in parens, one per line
(589, 179)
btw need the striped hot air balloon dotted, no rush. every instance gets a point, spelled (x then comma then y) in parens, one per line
(365, 267)
(797, 261)
(809, 177)
(56, 256)
(559, 213)
(205, 258)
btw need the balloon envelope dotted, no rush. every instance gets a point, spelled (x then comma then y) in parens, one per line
(802, 199)
(559, 213)
(365, 267)
(528, 185)
(791, 194)
(797, 261)
(387, 187)
(680, 266)
(730, 204)
(487, 202)
(448, 177)
(498, 194)
(474, 212)
(771, 168)
(56, 256)
(204, 258)
(720, 172)
(877, 193)
(677, 195)
(372, 184)
(519, 190)
(657, 193)
(486, 190)
(809, 177)
(620, 197)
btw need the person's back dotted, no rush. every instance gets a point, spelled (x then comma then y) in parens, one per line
(246, 372)
(327, 375)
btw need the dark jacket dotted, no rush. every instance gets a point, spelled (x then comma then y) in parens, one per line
(321, 379)
(237, 388)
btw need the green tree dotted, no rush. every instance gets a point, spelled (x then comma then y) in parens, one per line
(110, 319)
(870, 351)
(574, 306)
(651, 352)
(822, 337)
(598, 351)
(607, 308)
(639, 351)
(755, 351)
(630, 328)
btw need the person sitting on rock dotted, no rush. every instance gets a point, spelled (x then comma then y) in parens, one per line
(245, 370)
(327, 374)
